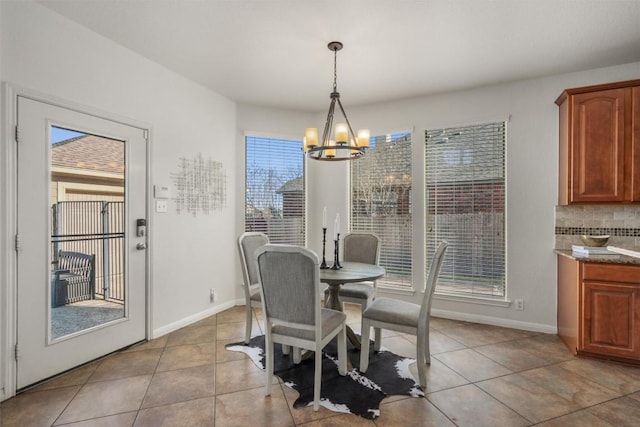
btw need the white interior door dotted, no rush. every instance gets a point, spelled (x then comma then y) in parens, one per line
(81, 263)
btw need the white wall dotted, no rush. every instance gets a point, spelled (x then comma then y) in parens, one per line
(44, 52)
(532, 179)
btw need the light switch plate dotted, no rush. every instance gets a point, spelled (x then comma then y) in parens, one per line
(161, 191)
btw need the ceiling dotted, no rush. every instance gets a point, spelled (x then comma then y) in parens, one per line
(274, 52)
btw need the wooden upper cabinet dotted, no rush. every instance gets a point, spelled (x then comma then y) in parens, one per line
(634, 155)
(600, 144)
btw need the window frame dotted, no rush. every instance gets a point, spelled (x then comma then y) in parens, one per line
(500, 299)
(398, 258)
(299, 235)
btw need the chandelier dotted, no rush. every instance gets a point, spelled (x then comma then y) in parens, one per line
(345, 145)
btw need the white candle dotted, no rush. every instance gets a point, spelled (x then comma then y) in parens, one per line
(324, 217)
(363, 138)
(330, 152)
(341, 133)
(335, 229)
(337, 224)
(311, 135)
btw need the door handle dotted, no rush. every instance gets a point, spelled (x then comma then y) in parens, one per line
(141, 246)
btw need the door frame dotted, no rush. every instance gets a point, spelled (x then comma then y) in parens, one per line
(8, 221)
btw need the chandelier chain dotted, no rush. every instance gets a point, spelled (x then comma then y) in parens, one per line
(335, 70)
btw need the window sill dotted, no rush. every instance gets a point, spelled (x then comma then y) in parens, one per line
(472, 300)
(447, 297)
(398, 290)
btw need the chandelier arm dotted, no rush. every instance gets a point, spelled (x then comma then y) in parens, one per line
(329, 124)
(353, 135)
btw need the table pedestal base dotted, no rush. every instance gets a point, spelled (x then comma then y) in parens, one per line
(333, 302)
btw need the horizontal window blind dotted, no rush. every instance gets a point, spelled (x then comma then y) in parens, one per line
(381, 203)
(465, 186)
(275, 189)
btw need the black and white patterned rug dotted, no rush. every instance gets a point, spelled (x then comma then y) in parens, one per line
(356, 393)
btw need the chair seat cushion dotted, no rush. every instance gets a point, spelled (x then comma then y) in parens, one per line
(393, 311)
(362, 290)
(330, 320)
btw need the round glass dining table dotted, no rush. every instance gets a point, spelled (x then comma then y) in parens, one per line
(351, 272)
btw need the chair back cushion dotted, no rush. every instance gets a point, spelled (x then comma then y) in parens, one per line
(361, 247)
(247, 244)
(290, 283)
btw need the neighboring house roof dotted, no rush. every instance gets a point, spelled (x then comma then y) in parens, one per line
(293, 186)
(89, 152)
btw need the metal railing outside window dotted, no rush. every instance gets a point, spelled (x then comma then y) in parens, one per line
(93, 228)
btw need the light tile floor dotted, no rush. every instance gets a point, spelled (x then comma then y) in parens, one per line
(479, 376)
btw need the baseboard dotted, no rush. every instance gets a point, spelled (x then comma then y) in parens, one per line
(495, 321)
(166, 329)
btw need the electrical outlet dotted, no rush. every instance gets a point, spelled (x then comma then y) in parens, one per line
(162, 206)
(212, 295)
(519, 304)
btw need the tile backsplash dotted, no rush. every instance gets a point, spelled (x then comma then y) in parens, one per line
(621, 222)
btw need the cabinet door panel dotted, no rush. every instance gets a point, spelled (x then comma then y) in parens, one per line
(610, 319)
(598, 146)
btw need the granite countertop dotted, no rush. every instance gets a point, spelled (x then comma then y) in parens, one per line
(609, 259)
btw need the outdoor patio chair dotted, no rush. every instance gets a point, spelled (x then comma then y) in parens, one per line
(405, 317)
(289, 278)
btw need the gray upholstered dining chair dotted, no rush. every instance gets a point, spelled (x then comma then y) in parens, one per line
(289, 278)
(248, 242)
(359, 247)
(405, 317)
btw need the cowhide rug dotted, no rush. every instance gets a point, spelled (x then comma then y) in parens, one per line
(356, 393)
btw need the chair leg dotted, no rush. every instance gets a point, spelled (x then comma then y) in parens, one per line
(285, 349)
(317, 378)
(364, 348)
(342, 352)
(269, 348)
(427, 350)
(420, 360)
(297, 355)
(378, 339)
(247, 332)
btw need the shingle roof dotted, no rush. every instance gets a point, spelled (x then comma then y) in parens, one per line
(292, 186)
(89, 152)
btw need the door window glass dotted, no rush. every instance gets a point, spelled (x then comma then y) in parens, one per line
(87, 231)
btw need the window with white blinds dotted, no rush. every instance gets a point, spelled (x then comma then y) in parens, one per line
(465, 197)
(275, 189)
(381, 203)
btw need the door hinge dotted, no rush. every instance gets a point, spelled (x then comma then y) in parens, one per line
(146, 135)
(17, 134)
(17, 352)
(18, 246)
